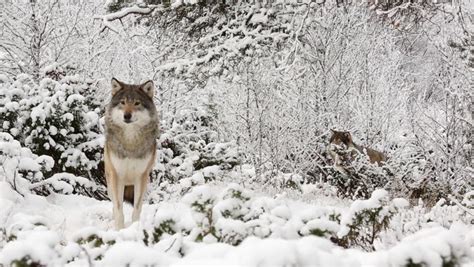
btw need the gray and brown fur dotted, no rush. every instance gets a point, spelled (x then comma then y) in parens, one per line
(131, 130)
(340, 138)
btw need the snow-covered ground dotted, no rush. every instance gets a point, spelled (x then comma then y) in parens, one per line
(223, 225)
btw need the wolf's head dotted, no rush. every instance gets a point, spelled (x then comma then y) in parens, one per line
(339, 138)
(132, 104)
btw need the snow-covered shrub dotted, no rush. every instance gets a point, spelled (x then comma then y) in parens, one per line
(202, 200)
(191, 152)
(324, 223)
(229, 214)
(32, 248)
(282, 180)
(164, 227)
(468, 200)
(356, 177)
(26, 171)
(444, 213)
(67, 183)
(419, 172)
(20, 166)
(191, 144)
(365, 220)
(95, 241)
(230, 219)
(168, 220)
(13, 95)
(29, 242)
(23, 224)
(64, 123)
(234, 214)
(321, 228)
(209, 216)
(58, 117)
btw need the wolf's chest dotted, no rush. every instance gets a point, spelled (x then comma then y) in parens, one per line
(130, 169)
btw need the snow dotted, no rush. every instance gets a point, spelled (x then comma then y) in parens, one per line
(120, 255)
(259, 18)
(324, 225)
(68, 117)
(74, 98)
(38, 245)
(28, 164)
(282, 212)
(49, 231)
(312, 251)
(65, 182)
(400, 203)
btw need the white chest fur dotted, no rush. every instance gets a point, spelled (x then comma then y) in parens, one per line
(130, 170)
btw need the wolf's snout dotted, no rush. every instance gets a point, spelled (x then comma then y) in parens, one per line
(127, 117)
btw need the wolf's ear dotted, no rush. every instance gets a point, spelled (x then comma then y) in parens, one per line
(149, 88)
(348, 135)
(116, 85)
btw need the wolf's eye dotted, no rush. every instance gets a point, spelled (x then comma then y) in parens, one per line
(137, 103)
(122, 102)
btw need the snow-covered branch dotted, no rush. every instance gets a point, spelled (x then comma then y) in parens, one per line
(133, 10)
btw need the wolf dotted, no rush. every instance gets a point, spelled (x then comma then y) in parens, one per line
(339, 138)
(131, 130)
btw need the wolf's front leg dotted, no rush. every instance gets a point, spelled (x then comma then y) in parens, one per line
(118, 204)
(139, 192)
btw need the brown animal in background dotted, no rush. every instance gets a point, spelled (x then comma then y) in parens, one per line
(340, 138)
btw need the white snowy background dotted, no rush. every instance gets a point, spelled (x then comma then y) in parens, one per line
(247, 94)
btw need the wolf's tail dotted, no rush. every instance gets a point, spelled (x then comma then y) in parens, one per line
(128, 194)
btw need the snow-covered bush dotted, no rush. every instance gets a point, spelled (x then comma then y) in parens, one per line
(12, 103)
(366, 219)
(356, 177)
(65, 124)
(282, 180)
(191, 152)
(32, 248)
(233, 214)
(58, 117)
(228, 219)
(20, 166)
(421, 170)
(26, 171)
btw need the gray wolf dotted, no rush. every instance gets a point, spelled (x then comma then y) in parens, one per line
(340, 138)
(131, 130)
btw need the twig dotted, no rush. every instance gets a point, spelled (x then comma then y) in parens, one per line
(89, 260)
(460, 205)
(13, 185)
(172, 243)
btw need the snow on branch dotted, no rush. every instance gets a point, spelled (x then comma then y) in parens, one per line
(66, 183)
(207, 35)
(137, 10)
(234, 45)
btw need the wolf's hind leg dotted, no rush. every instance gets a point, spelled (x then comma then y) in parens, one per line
(140, 188)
